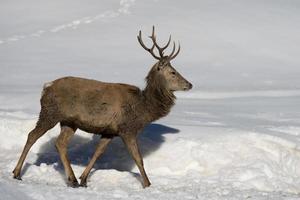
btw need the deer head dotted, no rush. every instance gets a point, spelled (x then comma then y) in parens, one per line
(163, 69)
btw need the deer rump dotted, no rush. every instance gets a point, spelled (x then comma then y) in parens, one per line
(93, 106)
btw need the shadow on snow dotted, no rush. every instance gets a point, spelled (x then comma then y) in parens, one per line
(116, 155)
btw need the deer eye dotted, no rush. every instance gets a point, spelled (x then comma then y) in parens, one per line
(173, 73)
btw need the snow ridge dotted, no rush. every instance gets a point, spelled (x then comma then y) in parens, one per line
(238, 94)
(124, 9)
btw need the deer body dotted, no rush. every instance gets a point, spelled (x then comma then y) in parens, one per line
(93, 106)
(108, 109)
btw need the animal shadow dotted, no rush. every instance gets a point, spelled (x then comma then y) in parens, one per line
(115, 156)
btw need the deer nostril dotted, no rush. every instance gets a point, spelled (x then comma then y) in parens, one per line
(188, 86)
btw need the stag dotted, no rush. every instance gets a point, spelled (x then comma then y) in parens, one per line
(107, 109)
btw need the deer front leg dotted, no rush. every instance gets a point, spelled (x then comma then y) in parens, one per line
(61, 146)
(131, 143)
(104, 141)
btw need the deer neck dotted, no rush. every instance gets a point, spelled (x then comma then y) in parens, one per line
(158, 100)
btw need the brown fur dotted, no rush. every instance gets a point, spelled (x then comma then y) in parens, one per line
(108, 109)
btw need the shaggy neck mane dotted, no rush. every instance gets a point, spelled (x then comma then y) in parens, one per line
(158, 99)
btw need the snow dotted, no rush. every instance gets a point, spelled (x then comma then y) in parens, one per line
(235, 135)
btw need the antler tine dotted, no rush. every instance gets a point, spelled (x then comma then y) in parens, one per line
(160, 49)
(163, 48)
(139, 37)
(173, 50)
(150, 50)
(177, 52)
(153, 37)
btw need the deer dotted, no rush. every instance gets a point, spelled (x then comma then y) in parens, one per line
(107, 109)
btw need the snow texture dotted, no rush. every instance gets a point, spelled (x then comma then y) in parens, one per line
(235, 135)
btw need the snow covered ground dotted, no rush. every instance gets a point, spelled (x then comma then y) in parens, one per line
(236, 135)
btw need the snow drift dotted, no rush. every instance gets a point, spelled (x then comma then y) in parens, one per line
(174, 152)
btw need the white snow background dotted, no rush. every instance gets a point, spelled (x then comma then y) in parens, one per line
(235, 135)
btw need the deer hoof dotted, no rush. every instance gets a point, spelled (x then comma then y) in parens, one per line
(73, 183)
(147, 184)
(83, 182)
(18, 177)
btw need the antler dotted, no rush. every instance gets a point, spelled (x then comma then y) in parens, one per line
(139, 37)
(160, 49)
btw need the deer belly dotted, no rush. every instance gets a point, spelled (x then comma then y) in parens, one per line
(94, 122)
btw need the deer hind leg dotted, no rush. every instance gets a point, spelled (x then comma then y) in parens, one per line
(103, 143)
(133, 149)
(61, 145)
(41, 128)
